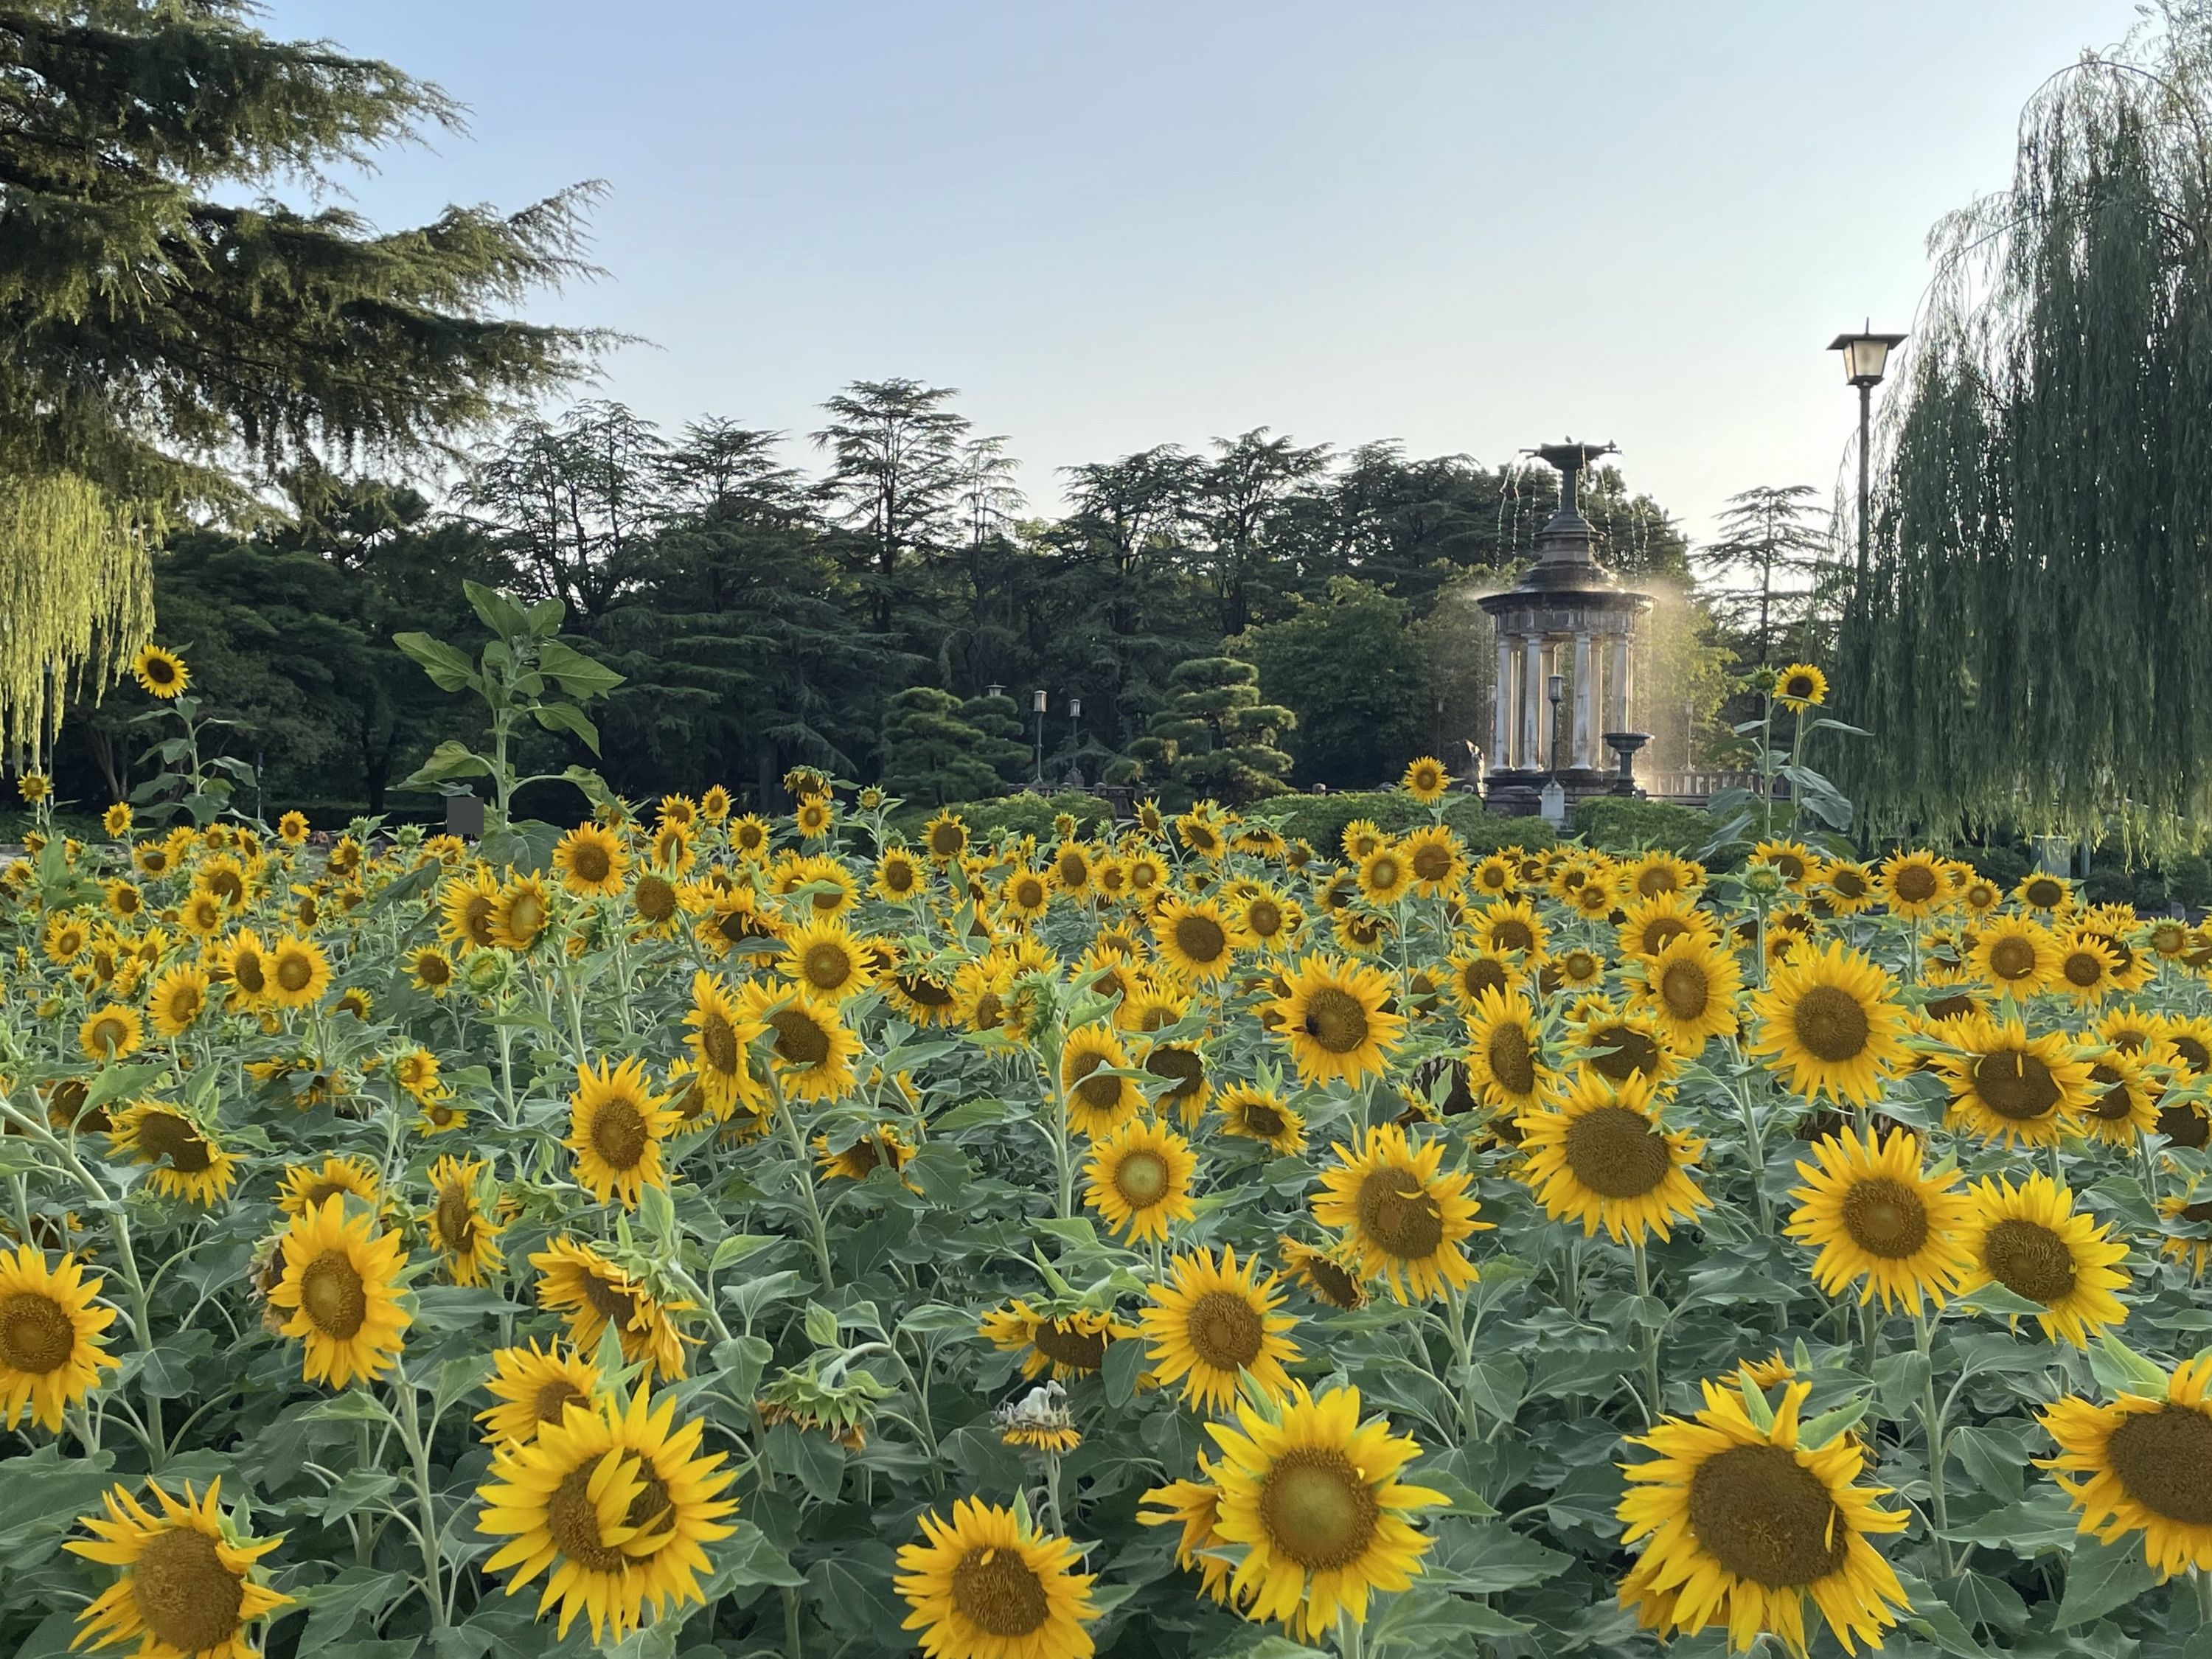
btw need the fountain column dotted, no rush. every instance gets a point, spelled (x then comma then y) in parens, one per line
(1532, 698)
(1619, 690)
(1585, 705)
(1501, 722)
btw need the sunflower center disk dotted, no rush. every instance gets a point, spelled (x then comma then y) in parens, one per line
(1831, 1024)
(656, 898)
(572, 1521)
(2194, 1055)
(332, 1293)
(1620, 1052)
(36, 1334)
(995, 1588)
(166, 1135)
(552, 1401)
(1685, 990)
(589, 862)
(609, 1302)
(1316, 1509)
(293, 972)
(456, 1226)
(719, 1043)
(1201, 939)
(2115, 1104)
(1764, 1518)
(1335, 1020)
(2164, 1459)
(2012, 958)
(1512, 934)
(2015, 1085)
(2083, 968)
(1141, 1178)
(2030, 1261)
(1885, 1218)
(1916, 884)
(618, 1133)
(1264, 918)
(2182, 1124)
(799, 1040)
(1225, 1330)
(1617, 1152)
(827, 967)
(1180, 1064)
(1396, 1210)
(1064, 1345)
(183, 1592)
(1481, 975)
(1263, 1119)
(1096, 1090)
(1432, 862)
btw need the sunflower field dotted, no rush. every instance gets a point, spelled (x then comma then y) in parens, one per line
(692, 1233)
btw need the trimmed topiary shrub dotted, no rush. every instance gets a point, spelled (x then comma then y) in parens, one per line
(1623, 823)
(1025, 814)
(1319, 820)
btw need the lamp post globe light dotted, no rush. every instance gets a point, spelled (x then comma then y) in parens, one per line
(1866, 356)
(1556, 690)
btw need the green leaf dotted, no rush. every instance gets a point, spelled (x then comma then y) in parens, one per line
(449, 761)
(1936, 1619)
(1900, 1379)
(332, 1608)
(2102, 1577)
(2120, 1370)
(969, 1115)
(1480, 1557)
(576, 673)
(1428, 1620)
(546, 617)
(448, 669)
(567, 717)
(1124, 1364)
(1996, 1457)
(357, 1489)
(506, 619)
(817, 1460)
(738, 1246)
(749, 1557)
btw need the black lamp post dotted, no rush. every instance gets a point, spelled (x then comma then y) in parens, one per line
(1075, 723)
(1555, 687)
(1866, 356)
(1036, 708)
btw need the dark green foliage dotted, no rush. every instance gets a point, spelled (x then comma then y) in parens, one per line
(2034, 644)
(155, 324)
(997, 723)
(1343, 664)
(2189, 880)
(1763, 565)
(930, 754)
(1213, 738)
(2007, 866)
(1622, 823)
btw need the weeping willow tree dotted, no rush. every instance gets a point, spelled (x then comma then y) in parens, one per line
(175, 337)
(2033, 644)
(77, 598)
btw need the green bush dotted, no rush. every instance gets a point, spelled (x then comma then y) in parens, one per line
(1622, 823)
(2189, 878)
(1025, 814)
(2003, 866)
(1319, 820)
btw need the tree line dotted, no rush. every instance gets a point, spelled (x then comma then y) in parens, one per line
(887, 614)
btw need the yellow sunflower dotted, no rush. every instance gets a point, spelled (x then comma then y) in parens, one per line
(2018, 954)
(1913, 884)
(591, 860)
(461, 1230)
(1504, 1056)
(1830, 1021)
(520, 912)
(532, 1387)
(160, 671)
(810, 1048)
(1139, 1179)
(1212, 1324)
(1425, 779)
(1330, 1275)
(1099, 1097)
(1691, 984)
(307, 1187)
(1618, 1044)
(2008, 1086)
(591, 1293)
(2141, 1465)
(2088, 970)
(430, 970)
(186, 1162)
(178, 997)
(1512, 928)
(1474, 973)
(2041, 890)
(985, 1585)
(722, 1032)
(1193, 1505)
(1333, 1015)
(615, 1505)
(341, 1286)
(1600, 1156)
(1405, 1218)
(51, 1354)
(1801, 686)
(1198, 937)
(111, 1033)
(298, 973)
(189, 1586)
(2031, 1240)
(899, 876)
(616, 1125)
(1069, 1345)
(1261, 1114)
(1875, 1214)
(2124, 1100)
(1740, 1524)
(826, 960)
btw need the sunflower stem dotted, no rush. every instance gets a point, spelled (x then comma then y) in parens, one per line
(418, 1455)
(1651, 1400)
(1931, 1420)
(1462, 1346)
(817, 1230)
(792, 1647)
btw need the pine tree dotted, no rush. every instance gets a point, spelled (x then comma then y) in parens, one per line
(1764, 561)
(998, 720)
(167, 346)
(930, 753)
(1215, 737)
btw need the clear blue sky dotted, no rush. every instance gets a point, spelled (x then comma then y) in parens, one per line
(1470, 227)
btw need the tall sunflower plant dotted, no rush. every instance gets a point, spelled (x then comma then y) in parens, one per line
(754, 1233)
